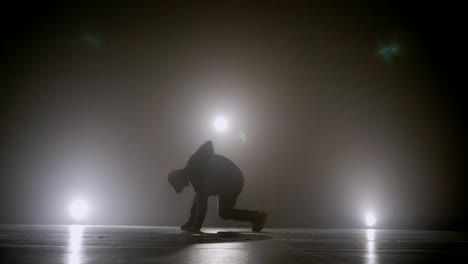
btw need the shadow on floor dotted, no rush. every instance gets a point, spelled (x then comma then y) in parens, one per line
(222, 237)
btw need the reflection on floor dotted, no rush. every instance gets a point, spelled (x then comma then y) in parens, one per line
(118, 244)
(74, 244)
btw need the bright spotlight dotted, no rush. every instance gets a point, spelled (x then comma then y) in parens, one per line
(220, 124)
(79, 209)
(370, 219)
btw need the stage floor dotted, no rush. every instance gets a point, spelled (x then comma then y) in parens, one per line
(127, 244)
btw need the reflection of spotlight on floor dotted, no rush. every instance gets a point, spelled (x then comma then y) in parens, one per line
(370, 234)
(74, 244)
(371, 256)
(74, 258)
(370, 246)
(76, 232)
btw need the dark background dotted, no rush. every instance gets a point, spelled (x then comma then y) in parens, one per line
(102, 100)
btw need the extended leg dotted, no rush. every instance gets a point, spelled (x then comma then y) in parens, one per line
(227, 211)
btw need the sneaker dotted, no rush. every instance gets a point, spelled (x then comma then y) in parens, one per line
(190, 227)
(259, 221)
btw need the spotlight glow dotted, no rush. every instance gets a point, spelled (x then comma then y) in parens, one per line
(79, 209)
(370, 219)
(220, 124)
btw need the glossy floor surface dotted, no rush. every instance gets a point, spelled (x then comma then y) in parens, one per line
(115, 244)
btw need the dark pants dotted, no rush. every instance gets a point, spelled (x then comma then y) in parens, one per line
(226, 210)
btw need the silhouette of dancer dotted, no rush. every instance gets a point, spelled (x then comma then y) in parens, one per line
(213, 175)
